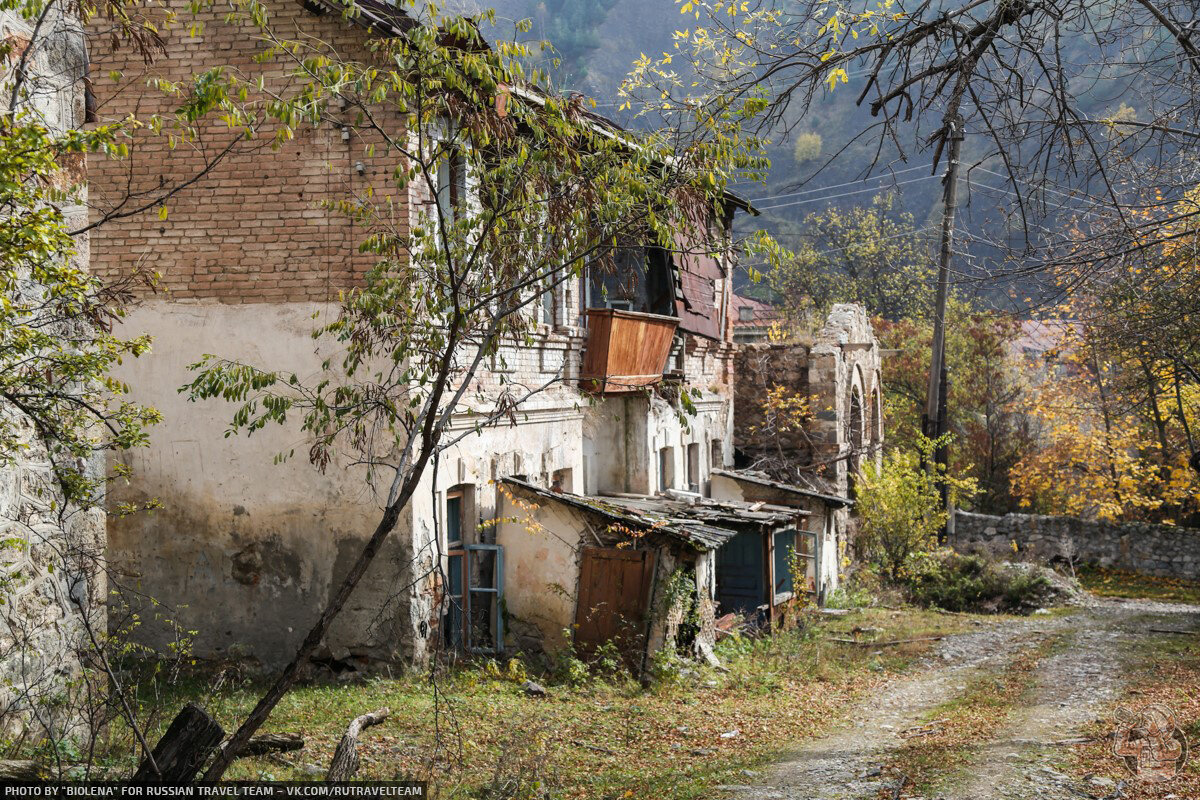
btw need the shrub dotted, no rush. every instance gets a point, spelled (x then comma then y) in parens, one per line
(900, 507)
(955, 582)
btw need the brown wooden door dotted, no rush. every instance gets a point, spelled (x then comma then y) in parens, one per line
(614, 599)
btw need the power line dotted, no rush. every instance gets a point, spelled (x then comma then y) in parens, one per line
(845, 194)
(835, 186)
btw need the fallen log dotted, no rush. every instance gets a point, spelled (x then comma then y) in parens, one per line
(345, 758)
(268, 743)
(864, 643)
(189, 741)
(19, 770)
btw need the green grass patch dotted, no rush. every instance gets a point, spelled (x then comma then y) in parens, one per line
(1123, 583)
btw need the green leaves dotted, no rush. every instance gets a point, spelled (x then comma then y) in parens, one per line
(56, 320)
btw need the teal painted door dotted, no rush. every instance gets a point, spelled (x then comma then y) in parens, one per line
(741, 574)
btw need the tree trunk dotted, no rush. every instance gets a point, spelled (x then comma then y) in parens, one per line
(183, 749)
(345, 758)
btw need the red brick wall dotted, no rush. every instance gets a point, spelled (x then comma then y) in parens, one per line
(251, 230)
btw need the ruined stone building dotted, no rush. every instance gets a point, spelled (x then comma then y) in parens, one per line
(838, 376)
(529, 515)
(51, 553)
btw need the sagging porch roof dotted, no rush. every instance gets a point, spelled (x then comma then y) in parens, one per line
(700, 522)
(761, 479)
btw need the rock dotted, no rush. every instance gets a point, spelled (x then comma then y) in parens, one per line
(702, 751)
(1102, 782)
(733, 734)
(533, 689)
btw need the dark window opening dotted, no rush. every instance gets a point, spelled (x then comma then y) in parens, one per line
(632, 279)
(666, 469)
(693, 468)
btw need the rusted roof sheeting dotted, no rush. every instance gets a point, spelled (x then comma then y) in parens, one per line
(698, 273)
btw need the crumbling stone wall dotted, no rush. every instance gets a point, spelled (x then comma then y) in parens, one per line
(839, 373)
(1163, 550)
(52, 586)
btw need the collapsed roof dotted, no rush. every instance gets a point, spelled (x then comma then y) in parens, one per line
(701, 522)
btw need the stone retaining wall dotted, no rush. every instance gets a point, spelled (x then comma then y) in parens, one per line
(1163, 550)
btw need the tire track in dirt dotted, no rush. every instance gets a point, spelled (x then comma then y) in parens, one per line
(1069, 688)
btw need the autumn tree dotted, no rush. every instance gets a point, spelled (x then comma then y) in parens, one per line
(1119, 411)
(986, 391)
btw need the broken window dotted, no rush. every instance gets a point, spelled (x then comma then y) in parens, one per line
(485, 593)
(455, 567)
(631, 278)
(785, 558)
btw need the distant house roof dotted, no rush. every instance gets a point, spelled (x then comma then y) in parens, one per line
(698, 521)
(1041, 336)
(748, 312)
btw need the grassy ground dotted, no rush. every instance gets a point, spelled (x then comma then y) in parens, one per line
(479, 735)
(1166, 670)
(1119, 583)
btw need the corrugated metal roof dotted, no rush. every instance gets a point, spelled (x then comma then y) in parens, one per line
(703, 523)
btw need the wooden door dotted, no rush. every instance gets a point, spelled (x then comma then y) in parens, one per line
(741, 574)
(614, 600)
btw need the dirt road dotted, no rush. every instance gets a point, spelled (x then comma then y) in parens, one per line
(1082, 657)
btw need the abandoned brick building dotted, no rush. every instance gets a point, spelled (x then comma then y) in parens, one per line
(245, 551)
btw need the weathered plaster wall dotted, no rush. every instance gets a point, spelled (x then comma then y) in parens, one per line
(243, 550)
(1164, 550)
(542, 547)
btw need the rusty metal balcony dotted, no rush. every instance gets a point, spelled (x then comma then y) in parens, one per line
(625, 351)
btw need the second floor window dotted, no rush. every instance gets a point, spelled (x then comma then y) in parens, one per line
(451, 185)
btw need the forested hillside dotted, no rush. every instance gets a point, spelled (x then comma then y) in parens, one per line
(819, 159)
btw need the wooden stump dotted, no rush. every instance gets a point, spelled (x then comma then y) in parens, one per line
(345, 758)
(183, 749)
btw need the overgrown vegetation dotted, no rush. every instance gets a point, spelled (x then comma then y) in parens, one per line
(955, 582)
(596, 733)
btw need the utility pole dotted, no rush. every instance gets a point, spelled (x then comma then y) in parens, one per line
(933, 422)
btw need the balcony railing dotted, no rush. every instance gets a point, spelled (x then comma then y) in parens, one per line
(626, 350)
